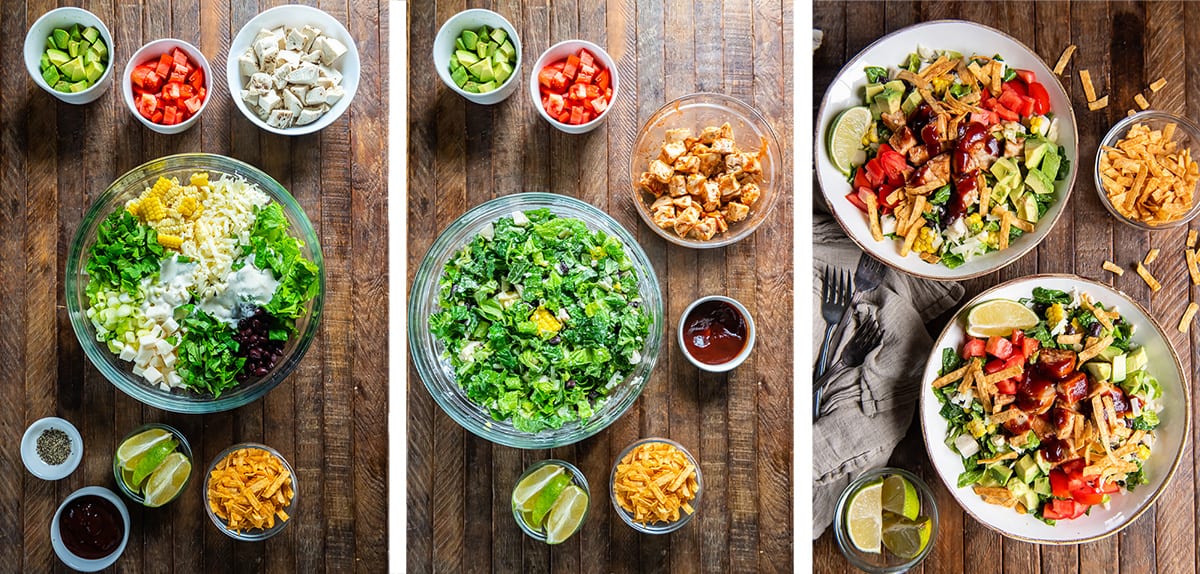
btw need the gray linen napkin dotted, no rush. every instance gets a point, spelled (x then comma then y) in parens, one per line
(869, 409)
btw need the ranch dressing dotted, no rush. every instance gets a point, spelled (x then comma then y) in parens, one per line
(247, 288)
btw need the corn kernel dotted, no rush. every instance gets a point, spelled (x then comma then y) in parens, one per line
(170, 241)
(152, 208)
(200, 179)
(160, 187)
(133, 207)
(187, 206)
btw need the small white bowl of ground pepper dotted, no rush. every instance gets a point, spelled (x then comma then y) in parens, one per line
(51, 448)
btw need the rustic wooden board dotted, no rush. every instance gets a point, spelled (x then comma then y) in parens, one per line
(739, 426)
(1125, 46)
(328, 419)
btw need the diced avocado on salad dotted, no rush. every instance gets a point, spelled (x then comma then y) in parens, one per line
(74, 59)
(1054, 419)
(950, 156)
(483, 59)
(541, 319)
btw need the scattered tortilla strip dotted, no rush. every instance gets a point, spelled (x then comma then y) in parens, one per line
(1113, 267)
(1158, 84)
(249, 489)
(1089, 91)
(930, 258)
(951, 377)
(1005, 374)
(1064, 59)
(873, 218)
(1150, 256)
(1005, 228)
(1148, 278)
(1010, 455)
(1140, 100)
(1185, 322)
(1191, 238)
(1193, 268)
(968, 380)
(911, 236)
(1099, 104)
(1069, 339)
(1129, 112)
(918, 211)
(655, 482)
(997, 76)
(1021, 224)
(1100, 314)
(1094, 349)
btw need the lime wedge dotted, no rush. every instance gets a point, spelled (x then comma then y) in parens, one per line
(906, 538)
(127, 478)
(544, 500)
(566, 515)
(524, 492)
(138, 444)
(900, 497)
(167, 480)
(998, 318)
(846, 135)
(145, 464)
(864, 516)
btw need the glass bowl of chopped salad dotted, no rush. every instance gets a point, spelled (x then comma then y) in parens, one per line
(194, 283)
(1055, 409)
(535, 320)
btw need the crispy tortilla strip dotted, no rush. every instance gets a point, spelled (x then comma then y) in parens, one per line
(1007, 415)
(1010, 455)
(1113, 267)
(1005, 229)
(1150, 256)
(1191, 238)
(1064, 59)
(980, 74)
(993, 491)
(1008, 373)
(968, 381)
(1185, 322)
(918, 211)
(1141, 102)
(1193, 267)
(930, 258)
(1099, 104)
(951, 377)
(911, 236)
(1101, 424)
(1094, 349)
(938, 67)
(1100, 314)
(997, 76)
(1002, 401)
(924, 189)
(1089, 91)
(1158, 84)
(985, 196)
(914, 79)
(873, 218)
(1069, 339)
(895, 196)
(1021, 224)
(1147, 277)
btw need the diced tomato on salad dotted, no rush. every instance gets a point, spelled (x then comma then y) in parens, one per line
(169, 89)
(575, 90)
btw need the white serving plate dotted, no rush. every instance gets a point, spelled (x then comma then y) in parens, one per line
(1171, 435)
(846, 91)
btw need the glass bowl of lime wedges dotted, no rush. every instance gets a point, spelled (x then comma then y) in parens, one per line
(886, 521)
(153, 465)
(550, 500)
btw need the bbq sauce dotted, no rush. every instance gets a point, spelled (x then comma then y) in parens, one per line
(91, 527)
(715, 332)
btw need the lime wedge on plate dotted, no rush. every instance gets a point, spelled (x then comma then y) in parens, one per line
(900, 497)
(529, 486)
(138, 444)
(544, 500)
(864, 516)
(846, 135)
(906, 538)
(167, 480)
(566, 515)
(998, 318)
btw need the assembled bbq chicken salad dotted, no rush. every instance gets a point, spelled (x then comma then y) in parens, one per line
(952, 156)
(1055, 416)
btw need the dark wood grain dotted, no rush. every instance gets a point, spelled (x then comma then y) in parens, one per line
(1125, 46)
(738, 426)
(328, 418)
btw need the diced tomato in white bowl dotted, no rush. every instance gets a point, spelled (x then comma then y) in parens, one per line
(166, 85)
(573, 85)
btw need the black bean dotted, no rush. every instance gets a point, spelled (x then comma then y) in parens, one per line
(1094, 330)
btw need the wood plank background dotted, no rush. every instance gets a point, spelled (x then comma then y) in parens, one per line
(1125, 46)
(739, 426)
(328, 419)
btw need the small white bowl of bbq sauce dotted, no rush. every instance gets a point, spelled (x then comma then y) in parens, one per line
(716, 333)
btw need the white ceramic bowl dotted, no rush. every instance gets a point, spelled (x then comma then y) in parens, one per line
(34, 463)
(846, 92)
(35, 45)
(560, 51)
(734, 363)
(153, 51)
(295, 15)
(1171, 435)
(84, 564)
(443, 47)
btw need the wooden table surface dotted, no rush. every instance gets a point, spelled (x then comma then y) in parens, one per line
(739, 426)
(328, 419)
(1125, 46)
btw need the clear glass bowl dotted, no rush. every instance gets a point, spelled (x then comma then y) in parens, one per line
(577, 478)
(252, 535)
(885, 562)
(120, 373)
(657, 528)
(696, 111)
(184, 447)
(1187, 134)
(428, 353)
